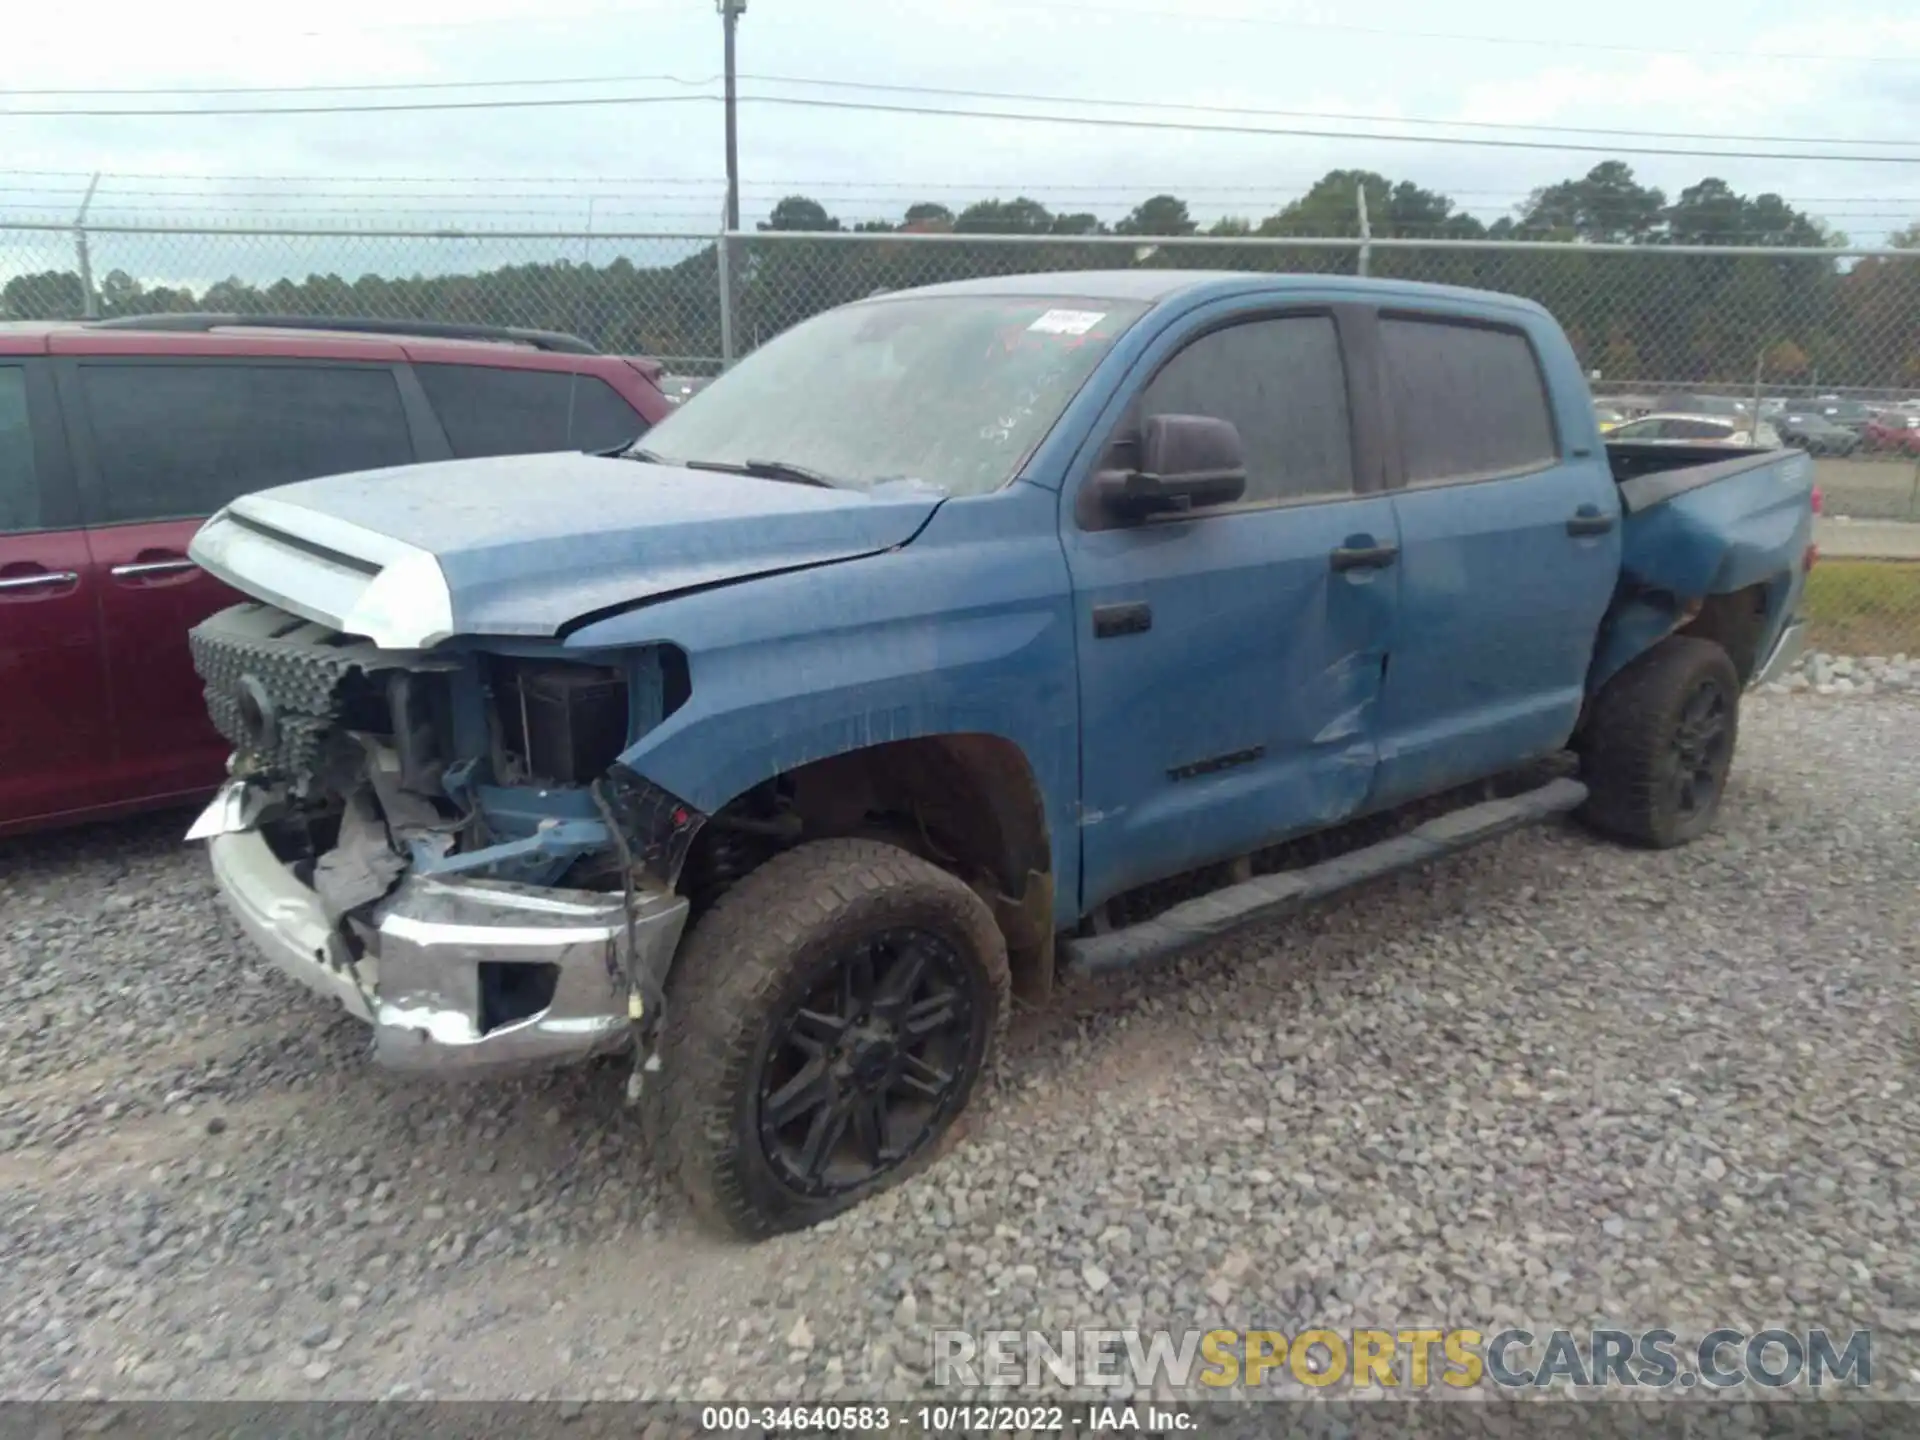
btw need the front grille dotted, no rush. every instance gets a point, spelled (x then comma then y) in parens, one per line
(274, 685)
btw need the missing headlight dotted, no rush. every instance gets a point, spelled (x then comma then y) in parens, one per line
(567, 722)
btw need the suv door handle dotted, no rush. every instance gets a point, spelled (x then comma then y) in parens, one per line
(1363, 557)
(142, 568)
(40, 580)
(1589, 520)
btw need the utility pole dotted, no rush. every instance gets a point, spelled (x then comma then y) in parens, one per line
(730, 13)
(1366, 231)
(89, 297)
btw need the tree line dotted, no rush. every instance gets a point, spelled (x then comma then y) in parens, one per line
(1643, 316)
(1607, 204)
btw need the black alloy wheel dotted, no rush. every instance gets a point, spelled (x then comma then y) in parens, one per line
(860, 1074)
(1702, 747)
(1658, 743)
(827, 1022)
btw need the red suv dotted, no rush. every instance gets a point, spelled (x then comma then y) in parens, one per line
(118, 437)
(1893, 430)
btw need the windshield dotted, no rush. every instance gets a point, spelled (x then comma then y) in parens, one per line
(954, 390)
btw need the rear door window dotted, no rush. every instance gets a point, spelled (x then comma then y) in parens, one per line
(1469, 399)
(19, 486)
(176, 441)
(492, 410)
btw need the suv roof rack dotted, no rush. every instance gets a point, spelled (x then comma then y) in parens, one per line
(423, 329)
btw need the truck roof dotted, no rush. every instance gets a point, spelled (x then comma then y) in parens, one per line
(1154, 286)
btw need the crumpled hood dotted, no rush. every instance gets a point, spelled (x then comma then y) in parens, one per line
(527, 543)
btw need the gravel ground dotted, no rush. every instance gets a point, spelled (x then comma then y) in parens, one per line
(1551, 1082)
(1826, 674)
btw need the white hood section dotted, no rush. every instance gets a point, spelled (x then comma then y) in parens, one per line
(328, 570)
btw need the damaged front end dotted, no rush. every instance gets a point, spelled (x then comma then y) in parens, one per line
(444, 840)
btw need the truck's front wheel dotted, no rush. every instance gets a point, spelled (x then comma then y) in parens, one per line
(1659, 743)
(829, 1019)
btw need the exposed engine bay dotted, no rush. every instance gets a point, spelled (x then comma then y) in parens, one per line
(472, 763)
(364, 765)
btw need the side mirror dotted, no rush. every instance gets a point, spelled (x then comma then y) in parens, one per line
(1186, 461)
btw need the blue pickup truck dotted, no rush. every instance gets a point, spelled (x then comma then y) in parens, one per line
(955, 641)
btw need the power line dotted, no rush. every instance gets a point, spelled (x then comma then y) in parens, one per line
(109, 192)
(1023, 117)
(1115, 122)
(369, 86)
(1311, 114)
(386, 179)
(557, 103)
(951, 93)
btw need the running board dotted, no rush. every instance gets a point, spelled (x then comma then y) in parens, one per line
(1207, 917)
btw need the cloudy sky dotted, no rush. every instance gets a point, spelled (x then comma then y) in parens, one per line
(1840, 79)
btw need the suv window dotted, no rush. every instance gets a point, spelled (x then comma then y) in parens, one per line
(489, 410)
(1282, 384)
(19, 491)
(178, 441)
(1470, 400)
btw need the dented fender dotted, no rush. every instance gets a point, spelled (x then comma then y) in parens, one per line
(1705, 531)
(967, 631)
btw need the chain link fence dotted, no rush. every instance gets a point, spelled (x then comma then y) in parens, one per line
(1647, 320)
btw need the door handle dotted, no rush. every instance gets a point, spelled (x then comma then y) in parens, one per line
(1363, 557)
(43, 580)
(1134, 618)
(142, 568)
(1589, 520)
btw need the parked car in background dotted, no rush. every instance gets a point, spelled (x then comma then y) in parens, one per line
(1892, 432)
(1698, 429)
(1850, 414)
(1607, 417)
(1814, 433)
(118, 438)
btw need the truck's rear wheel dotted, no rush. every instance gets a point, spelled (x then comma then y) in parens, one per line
(828, 1021)
(1659, 743)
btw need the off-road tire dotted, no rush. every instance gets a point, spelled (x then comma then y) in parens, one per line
(1628, 748)
(746, 963)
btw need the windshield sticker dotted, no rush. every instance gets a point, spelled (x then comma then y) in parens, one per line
(1068, 322)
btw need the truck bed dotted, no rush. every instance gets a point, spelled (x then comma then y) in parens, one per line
(1701, 522)
(1716, 541)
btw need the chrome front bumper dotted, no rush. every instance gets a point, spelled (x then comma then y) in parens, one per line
(1789, 647)
(419, 984)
